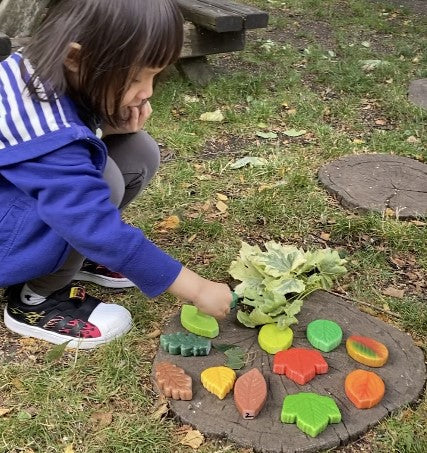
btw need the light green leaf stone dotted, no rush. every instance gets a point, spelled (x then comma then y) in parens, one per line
(324, 334)
(311, 412)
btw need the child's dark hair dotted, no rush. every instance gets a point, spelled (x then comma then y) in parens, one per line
(117, 38)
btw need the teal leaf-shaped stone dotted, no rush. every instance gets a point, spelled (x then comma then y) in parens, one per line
(324, 334)
(311, 412)
(185, 344)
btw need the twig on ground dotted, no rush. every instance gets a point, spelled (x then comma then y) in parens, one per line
(382, 310)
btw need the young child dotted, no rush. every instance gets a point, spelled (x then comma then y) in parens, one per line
(90, 65)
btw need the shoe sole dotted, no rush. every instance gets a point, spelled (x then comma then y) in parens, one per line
(107, 282)
(56, 338)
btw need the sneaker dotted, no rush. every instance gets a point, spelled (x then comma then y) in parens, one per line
(68, 314)
(101, 275)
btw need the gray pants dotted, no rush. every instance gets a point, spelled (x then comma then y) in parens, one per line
(133, 159)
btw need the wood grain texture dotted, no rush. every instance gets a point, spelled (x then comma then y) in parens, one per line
(375, 182)
(404, 375)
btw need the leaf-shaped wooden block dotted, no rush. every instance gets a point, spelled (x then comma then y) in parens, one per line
(173, 381)
(218, 380)
(367, 351)
(365, 389)
(299, 364)
(272, 339)
(185, 344)
(324, 334)
(312, 412)
(250, 393)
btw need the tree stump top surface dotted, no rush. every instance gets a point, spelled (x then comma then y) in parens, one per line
(404, 375)
(418, 92)
(375, 182)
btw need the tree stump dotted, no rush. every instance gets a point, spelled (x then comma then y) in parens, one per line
(418, 92)
(375, 182)
(404, 376)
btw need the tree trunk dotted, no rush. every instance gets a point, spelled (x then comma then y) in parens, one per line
(20, 17)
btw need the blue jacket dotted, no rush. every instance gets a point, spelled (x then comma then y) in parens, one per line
(53, 196)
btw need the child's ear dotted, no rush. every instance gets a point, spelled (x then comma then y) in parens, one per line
(72, 60)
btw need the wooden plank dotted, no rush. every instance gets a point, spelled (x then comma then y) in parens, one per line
(252, 17)
(211, 17)
(200, 41)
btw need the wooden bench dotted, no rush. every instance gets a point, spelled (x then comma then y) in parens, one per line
(211, 27)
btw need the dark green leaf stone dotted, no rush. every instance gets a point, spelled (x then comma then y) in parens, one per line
(185, 344)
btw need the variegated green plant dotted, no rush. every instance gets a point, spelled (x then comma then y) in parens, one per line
(275, 281)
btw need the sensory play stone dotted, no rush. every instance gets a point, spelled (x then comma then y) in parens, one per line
(218, 380)
(365, 389)
(185, 344)
(324, 334)
(272, 339)
(250, 393)
(312, 412)
(198, 323)
(404, 376)
(367, 351)
(299, 364)
(173, 382)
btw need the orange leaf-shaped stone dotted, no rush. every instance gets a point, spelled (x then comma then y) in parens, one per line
(173, 381)
(365, 389)
(299, 364)
(250, 393)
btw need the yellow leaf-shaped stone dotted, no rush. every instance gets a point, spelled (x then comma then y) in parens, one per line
(218, 380)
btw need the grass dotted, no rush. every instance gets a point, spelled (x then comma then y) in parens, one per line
(303, 72)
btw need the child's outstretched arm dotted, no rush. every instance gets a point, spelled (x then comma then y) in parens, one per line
(209, 297)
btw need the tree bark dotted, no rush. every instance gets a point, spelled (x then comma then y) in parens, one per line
(20, 17)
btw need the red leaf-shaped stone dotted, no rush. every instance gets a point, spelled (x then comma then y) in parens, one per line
(299, 364)
(173, 381)
(250, 393)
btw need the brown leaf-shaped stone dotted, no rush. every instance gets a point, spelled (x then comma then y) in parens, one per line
(173, 381)
(250, 393)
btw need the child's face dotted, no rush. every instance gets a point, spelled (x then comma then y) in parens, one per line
(140, 88)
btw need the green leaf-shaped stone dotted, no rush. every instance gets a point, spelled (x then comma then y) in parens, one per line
(185, 344)
(311, 412)
(324, 334)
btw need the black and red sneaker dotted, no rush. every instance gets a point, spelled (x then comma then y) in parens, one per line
(101, 275)
(68, 314)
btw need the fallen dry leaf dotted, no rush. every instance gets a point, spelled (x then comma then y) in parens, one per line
(17, 383)
(389, 212)
(192, 237)
(69, 449)
(193, 439)
(100, 420)
(418, 223)
(5, 410)
(162, 410)
(154, 334)
(221, 196)
(394, 292)
(221, 206)
(170, 223)
(325, 236)
(380, 122)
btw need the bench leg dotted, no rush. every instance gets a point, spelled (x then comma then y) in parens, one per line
(5, 46)
(196, 70)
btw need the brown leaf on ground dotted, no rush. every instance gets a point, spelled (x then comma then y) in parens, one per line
(4, 410)
(100, 420)
(170, 223)
(394, 292)
(193, 439)
(325, 236)
(154, 334)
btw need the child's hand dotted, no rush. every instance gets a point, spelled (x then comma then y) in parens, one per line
(209, 297)
(134, 119)
(215, 299)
